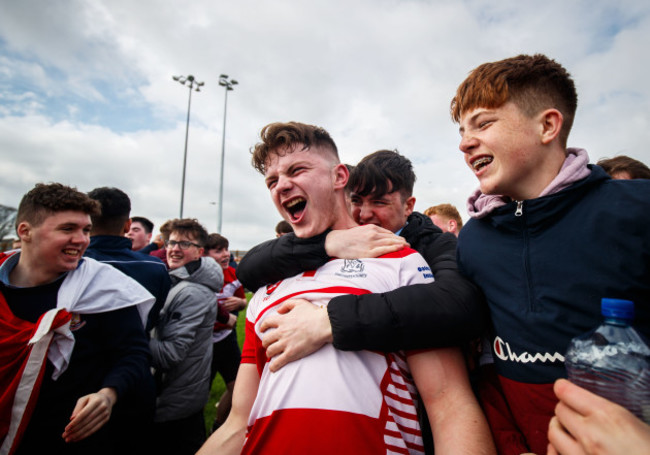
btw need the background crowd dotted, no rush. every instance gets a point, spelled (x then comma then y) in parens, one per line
(141, 325)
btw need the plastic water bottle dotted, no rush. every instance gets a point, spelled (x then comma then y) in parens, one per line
(613, 360)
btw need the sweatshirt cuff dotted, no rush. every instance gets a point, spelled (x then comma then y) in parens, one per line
(311, 250)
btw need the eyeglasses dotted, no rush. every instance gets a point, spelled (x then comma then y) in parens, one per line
(184, 245)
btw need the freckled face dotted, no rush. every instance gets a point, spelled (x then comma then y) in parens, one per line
(502, 147)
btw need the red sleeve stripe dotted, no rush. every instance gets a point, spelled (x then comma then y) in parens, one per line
(406, 251)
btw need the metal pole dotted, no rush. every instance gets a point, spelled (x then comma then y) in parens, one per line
(187, 129)
(223, 153)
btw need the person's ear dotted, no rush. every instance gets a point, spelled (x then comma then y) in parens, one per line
(127, 226)
(341, 176)
(24, 231)
(408, 205)
(551, 125)
(452, 225)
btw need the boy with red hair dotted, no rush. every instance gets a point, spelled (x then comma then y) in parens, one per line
(549, 236)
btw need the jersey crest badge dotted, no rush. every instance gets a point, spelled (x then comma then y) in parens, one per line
(352, 266)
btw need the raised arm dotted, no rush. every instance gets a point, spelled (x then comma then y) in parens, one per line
(444, 313)
(281, 258)
(289, 255)
(447, 312)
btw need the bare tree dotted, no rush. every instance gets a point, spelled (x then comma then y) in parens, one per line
(7, 220)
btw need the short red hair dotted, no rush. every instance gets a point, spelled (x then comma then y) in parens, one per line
(534, 83)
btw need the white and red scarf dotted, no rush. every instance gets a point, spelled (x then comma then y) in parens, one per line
(24, 346)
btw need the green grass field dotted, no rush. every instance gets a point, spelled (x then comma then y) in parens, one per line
(218, 386)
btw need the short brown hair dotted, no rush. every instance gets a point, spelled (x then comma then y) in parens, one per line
(216, 242)
(446, 210)
(635, 168)
(166, 228)
(191, 228)
(46, 199)
(533, 83)
(277, 136)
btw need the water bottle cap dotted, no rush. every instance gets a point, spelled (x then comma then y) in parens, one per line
(617, 308)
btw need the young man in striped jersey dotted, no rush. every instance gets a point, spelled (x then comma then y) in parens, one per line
(331, 400)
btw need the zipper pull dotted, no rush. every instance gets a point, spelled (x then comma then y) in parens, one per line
(520, 208)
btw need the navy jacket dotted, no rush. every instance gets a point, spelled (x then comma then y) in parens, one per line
(543, 274)
(147, 270)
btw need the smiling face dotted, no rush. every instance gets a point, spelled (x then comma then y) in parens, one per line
(56, 245)
(389, 211)
(306, 186)
(176, 256)
(506, 150)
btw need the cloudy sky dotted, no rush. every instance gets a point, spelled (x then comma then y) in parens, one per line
(87, 96)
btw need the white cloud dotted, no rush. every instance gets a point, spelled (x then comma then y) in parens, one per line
(87, 98)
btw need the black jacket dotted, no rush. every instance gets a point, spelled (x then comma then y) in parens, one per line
(447, 312)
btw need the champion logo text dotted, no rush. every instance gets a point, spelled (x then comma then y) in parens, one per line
(503, 351)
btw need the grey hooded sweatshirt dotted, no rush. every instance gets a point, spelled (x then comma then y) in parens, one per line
(181, 344)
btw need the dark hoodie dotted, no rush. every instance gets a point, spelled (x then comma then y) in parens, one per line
(544, 264)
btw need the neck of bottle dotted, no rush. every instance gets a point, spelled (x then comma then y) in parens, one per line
(621, 322)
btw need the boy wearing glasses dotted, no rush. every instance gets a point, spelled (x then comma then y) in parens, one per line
(181, 344)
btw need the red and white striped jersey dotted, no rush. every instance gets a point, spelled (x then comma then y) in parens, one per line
(231, 287)
(335, 401)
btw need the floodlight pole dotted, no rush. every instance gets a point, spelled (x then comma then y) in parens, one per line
(190, 81)
(224, 81)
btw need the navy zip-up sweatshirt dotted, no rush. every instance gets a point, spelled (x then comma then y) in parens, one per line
(544, 271)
